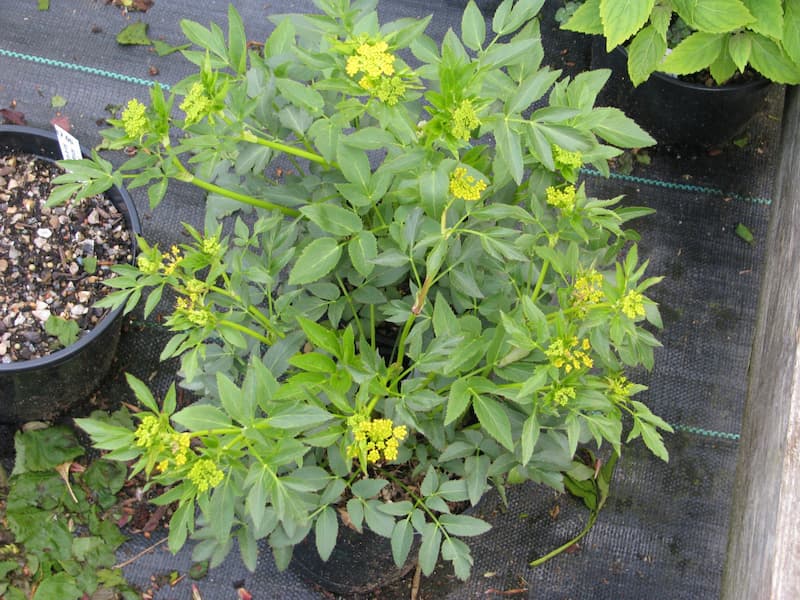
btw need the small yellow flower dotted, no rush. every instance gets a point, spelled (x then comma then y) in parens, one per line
(171, 260)
(147, 265)
(196, 104)
(587, 290)
(163, 465)
(619, 387)
(567, 159)
(563, 395)
(371, 58)
(377, 438)
(205, 475)
(632, 305)
(570, 354)
(465, 186)
(194, 311)
(563, 198)
(210, 246)
(148, 433)
(465, 120)
(134, 119)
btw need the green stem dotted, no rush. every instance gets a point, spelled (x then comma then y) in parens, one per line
(245, 330)
(249, 136)
(540, 281)
(573, 541)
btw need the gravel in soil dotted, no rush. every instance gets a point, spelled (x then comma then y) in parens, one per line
(53, 261)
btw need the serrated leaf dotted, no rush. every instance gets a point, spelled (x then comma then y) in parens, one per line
(693, 54)
(713, 16)
(621, 19)
(645, 53)
(315, 261)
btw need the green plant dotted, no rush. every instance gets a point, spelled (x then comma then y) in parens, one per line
(65, 330)
(725, 36)
(419, 302)
(59, 518)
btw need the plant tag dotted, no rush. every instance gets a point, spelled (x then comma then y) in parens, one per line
(70, 146)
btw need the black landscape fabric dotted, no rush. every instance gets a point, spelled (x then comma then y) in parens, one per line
(663, 533)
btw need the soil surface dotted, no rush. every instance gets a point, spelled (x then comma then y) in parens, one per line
(53, 261)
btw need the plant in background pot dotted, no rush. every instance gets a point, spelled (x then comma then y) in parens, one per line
(414, 302)
(55, 347)
(741, 44)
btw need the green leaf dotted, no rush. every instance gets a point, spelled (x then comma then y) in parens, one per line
(693, 54)
(530, 434)
(458, 400)
(509, 147)
(333, 219)
(300, 94)
(58, 101)
(315, 261)
(791, 30)
(739, 47)
(326, 530)
(623, 18)
(303, 416)
(142, 392)
(320, 336)
(613, 126)
(368, 488)
(713, 16)
(645, 53)
(237, 41)
(232, 399)
(771, 61)
(363, 248)
(354, 164)
(401, 540)
(45, 449)
(586, 19)
(531, 89)
(199, 417)
(59, 585)
(464, 525)
(134, 34)
(494, 419)
(429, 549)
(473, 27)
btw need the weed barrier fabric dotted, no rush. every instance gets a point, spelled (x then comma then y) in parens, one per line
(664, 530)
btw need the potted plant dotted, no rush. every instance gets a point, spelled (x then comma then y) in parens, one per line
(740, 46)
(414, 301)
(54, 346)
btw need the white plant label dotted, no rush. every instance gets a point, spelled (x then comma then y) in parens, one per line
(70, 146)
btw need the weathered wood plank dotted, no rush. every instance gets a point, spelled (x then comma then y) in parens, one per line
(763, 556)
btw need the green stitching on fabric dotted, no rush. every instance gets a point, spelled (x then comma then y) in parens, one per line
(684, 187)
(706, 432)
(82, 68)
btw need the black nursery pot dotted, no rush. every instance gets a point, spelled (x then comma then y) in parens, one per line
(44, 387)
(675, 111)
(360, 562)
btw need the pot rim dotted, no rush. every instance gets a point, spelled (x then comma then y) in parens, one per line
(759, 82)
(64, 354)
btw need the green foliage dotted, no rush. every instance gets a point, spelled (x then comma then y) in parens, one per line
(65, 330)
(723, 35)
(426, 303)
(61, 521)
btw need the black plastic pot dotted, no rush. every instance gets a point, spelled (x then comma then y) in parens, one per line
(675, 111)
(44, 387)
(360, 562)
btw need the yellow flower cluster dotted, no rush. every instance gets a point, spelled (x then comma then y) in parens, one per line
(563, 395)
(171, 260)
(465, 186)
(569, 353)
(210, 246)
(464, 120)
(372, 58)
(565, 158)
(204, 474)
(563, 198)
(158, 438)
(587, 290)
(196, 104)
(632, 305)
(377, 438)
(619, 387)
(166, 263)
(134, 119)
(194, 312)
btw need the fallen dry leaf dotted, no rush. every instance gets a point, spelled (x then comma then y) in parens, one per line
(12, 117)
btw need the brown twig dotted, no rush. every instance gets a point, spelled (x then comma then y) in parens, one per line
(415, 582)
(139, 555)
(513, 592)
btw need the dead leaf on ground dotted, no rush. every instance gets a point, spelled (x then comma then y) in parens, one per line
(62, 121)
(134, 34)
(12, 117)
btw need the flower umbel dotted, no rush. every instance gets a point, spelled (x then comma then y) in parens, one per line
(196, 104)
(632, 305)
(587, 290)
(563, 395)
(465, 186)
(134, 119)
(569, 353)
(205, 475)
(379, 439)
(563, 198)
(371, 58)
(464, 120)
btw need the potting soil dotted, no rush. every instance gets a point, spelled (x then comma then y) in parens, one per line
(664, 530)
